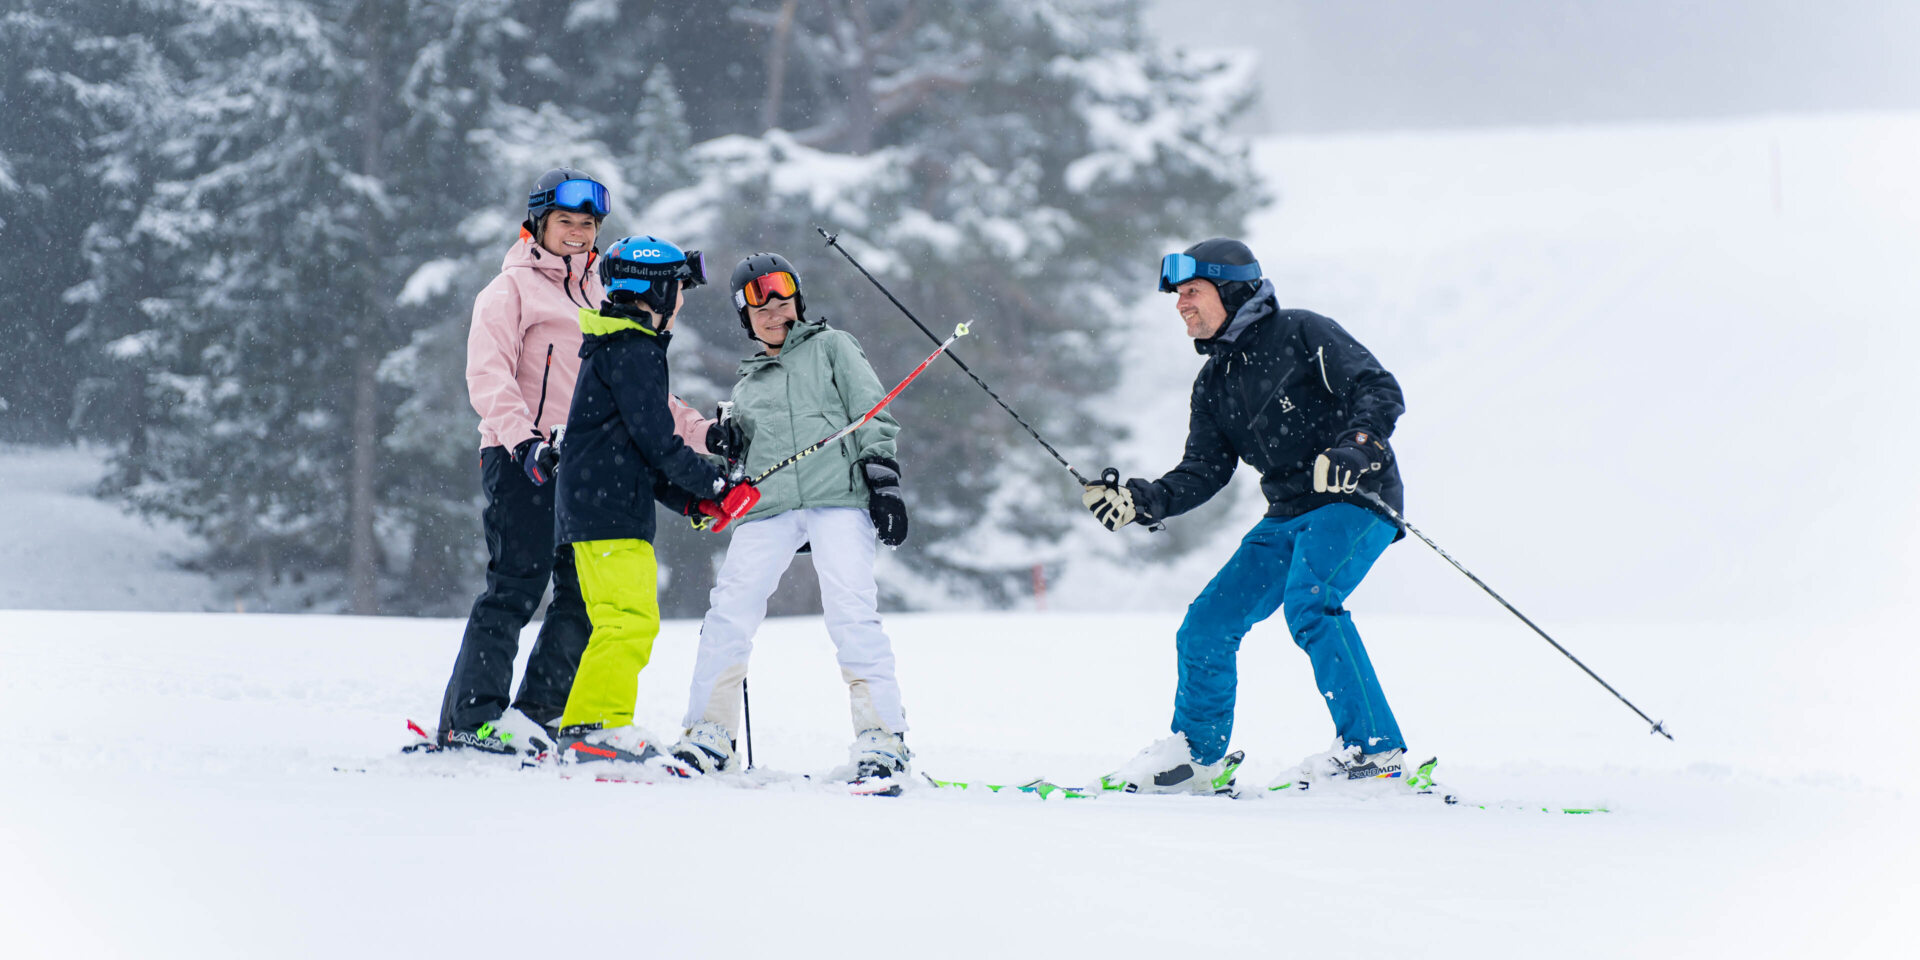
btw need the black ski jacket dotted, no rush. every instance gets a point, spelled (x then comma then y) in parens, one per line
(1279, 386)
(621, 452)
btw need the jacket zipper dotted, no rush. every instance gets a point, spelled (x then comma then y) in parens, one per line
(542, 409)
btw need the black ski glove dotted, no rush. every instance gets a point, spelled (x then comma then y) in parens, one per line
(726, 439)
(889, 512)
(1339, 469)
(538, 458)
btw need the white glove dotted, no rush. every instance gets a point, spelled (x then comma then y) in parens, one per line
(1339, 470)
(1111, 504)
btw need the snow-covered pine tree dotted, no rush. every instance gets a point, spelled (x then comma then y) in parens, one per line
(1019, 163)
(323, 164)
(67, 76)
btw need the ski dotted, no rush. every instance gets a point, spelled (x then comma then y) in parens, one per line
(1223, 782)
(1421, 784)
(1043, 789)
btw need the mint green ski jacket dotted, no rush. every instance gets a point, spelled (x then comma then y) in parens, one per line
(820, 382)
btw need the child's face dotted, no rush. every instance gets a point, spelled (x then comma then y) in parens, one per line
(770, 320)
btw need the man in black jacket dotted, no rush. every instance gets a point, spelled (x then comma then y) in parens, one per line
(1301, 401)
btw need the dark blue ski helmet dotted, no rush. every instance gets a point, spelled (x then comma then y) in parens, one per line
(1228, 264)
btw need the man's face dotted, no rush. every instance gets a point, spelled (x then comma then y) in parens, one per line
(1199, 305)
(770, 320)
(568, 233)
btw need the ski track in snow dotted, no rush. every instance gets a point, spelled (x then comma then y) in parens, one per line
(1649, 406)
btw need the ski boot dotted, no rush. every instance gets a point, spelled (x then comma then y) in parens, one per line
(1344, 765)
(706, 748)
(879, 762)
(1168, 766)
(514, 734)
(592, 743)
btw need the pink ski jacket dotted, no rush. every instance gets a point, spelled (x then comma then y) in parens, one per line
(526, 331)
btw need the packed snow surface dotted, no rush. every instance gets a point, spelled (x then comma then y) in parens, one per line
(173, 789)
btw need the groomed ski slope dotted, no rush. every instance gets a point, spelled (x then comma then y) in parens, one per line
(170, 791)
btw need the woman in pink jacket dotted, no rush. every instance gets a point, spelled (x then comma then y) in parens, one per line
(523, 353)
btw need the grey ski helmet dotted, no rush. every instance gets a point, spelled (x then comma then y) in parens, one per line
(762, 270)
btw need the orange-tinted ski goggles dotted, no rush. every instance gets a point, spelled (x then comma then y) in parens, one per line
(767, 286)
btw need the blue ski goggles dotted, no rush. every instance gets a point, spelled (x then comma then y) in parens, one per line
(580, 196)
(1178, 268)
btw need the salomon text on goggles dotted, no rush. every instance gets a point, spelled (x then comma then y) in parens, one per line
(1178, 268)
(580, 196)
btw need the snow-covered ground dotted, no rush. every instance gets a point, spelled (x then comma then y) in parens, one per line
(1659, 395)
(170, 791)
(61, 549)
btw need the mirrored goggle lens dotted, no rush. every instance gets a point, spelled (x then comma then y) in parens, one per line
(696, 268)
(769, 285)
(582, 196)
(1176, 269)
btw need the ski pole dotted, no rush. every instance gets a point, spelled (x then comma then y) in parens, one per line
(833, 240)
(959, 330)
(747, 724)
(1659, 726)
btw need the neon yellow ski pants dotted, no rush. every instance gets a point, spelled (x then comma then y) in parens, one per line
(619, 581)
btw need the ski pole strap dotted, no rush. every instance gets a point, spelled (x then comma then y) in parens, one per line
(833, 240)
(959, 331)
(1659, 726)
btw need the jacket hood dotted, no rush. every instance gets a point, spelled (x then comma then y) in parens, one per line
(1264, 304)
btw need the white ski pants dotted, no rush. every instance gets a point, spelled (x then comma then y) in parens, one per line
(843, 550)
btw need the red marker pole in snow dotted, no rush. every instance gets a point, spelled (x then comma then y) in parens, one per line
(737, 502)
(1659, 726)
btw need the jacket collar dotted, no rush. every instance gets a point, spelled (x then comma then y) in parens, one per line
(599, 328)
(799, 334)
(1262, 305)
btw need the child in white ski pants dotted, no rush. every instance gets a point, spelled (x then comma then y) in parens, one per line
(843, 554)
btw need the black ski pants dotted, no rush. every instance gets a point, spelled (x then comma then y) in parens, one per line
(520, 559)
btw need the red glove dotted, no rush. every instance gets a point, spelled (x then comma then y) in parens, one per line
(739, 499)
(715, 515)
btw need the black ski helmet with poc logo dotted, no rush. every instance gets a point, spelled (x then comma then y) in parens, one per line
(761, 277)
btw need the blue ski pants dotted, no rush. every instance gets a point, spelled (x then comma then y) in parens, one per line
(1308, 564)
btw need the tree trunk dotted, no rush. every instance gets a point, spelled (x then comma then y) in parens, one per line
(777, 67)
(363, 561)
(363, 552)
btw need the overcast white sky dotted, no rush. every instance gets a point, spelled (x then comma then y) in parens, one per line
(1386, 64)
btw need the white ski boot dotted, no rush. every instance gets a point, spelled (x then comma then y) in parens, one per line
(705, 747)
(1168, 766)
(878, 753)
(591, 743)
(1343, 765)
(512, 734)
